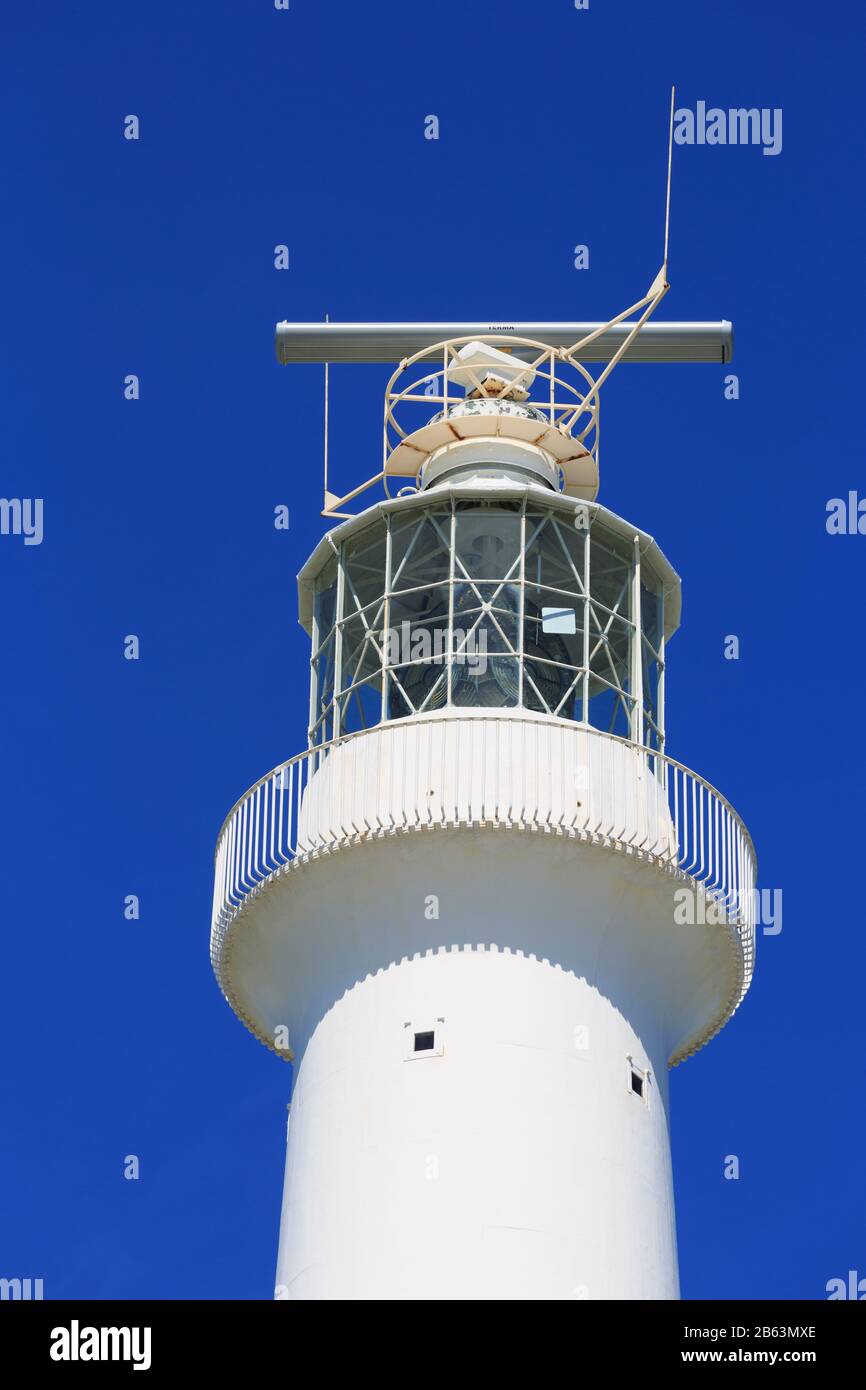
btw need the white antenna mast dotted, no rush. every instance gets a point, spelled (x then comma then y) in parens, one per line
(650, 302)
(668, 195)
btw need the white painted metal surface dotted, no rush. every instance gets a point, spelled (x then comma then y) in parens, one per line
(562, 418)
(389, 886)
(507, 771)
(388, 342)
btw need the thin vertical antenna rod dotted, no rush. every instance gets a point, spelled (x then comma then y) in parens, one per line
(327, 320)
(668, 194)
(650, 302)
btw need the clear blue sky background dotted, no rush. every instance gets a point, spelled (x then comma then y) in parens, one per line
(260, 127)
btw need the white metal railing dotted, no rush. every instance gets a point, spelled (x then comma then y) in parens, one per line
(493, 770)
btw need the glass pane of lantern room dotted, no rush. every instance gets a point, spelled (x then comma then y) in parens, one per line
(609, 709)
(418, 688)
(491, 681)
(610, 573)
(323, 677)
(651, 677)
(487, 541)
(361, 707)
(610, 641)
(428, 607)
(553, 626)
(364, 564)
(420, 549)
(554, 553)
(326, 601)
(361, 656)
(552, 689)
(475, 596)
(650, 613)
(484, 665)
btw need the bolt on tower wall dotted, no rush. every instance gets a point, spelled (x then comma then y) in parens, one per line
(457, 910)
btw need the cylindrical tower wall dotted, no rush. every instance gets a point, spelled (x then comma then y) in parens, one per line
(468, 1125)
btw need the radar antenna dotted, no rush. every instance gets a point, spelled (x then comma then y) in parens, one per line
(475, 372)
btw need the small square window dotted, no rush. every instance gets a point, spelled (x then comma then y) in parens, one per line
(426, 1038)
(637, 1081)
(558, 620)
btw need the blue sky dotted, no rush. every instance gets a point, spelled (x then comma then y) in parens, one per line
(155, 257)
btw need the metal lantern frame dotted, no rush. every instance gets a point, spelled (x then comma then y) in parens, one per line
(411, 571)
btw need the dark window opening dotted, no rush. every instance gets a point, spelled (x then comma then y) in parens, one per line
(425, 1042)
(637, 1084)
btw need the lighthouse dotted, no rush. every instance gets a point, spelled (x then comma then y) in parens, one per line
(485, 911)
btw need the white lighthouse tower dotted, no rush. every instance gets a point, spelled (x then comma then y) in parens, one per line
(485, 912)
